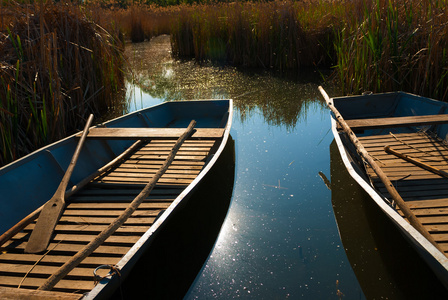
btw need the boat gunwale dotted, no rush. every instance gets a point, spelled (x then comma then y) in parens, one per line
(135, 251)
(140, 246)
(20, 161)
(428, 251)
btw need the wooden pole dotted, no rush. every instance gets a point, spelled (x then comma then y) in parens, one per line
(33, 216)
(98, 240)
(51, 212)
(387, 183)
(416, 161)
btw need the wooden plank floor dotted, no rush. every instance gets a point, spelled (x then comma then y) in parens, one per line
(425, 192)
(94, 207)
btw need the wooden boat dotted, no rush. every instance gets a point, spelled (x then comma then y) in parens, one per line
(115, 163)
(394, 146)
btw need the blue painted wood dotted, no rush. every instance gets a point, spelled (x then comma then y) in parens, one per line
(30, 181)
(385, 105)
(388, 105)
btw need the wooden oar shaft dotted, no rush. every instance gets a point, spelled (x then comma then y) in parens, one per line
(33, 216)
(49, 216)
(416, 161)
(98, 240)
(103, 169)
(65, 180)
(415, 222)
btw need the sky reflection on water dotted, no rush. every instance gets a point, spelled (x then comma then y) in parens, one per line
(280, 239)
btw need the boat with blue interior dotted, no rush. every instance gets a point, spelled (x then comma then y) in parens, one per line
(79, 213)
(395, 147)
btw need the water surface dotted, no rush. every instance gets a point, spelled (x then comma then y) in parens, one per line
(280, 238)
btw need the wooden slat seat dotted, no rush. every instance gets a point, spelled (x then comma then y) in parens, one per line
(425, 192)
(96, 206)
(152, 133)
(362, 124)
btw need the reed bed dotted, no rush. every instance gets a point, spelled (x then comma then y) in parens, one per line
(138, 22)
(375, 45)
(278, 34)
(57, 67)
(395, 45)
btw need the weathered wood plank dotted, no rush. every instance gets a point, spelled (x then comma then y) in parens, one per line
(72, 248)
(107, 205)
(148, 175)
(143, 162)
(149, 170)
(119, 239)
(101, 212)
(105, 221)
(94, 260)
(162, 157)
(143, 180)
(429, 203)
(362, 124)
(161, 188)
(14, 294)
(20, 269)
(152, 133)
(31, 282)
(95, 228)
(431, 212)
(142, 165)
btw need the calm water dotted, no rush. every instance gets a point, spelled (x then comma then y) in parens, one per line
(280, 238)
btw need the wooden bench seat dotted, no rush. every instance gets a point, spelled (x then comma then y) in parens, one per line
(152, 133)
(362, 124)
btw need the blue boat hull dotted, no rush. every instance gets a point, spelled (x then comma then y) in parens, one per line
(29, 182)
(396, 105)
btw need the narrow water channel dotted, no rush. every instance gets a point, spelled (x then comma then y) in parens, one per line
(294, 224)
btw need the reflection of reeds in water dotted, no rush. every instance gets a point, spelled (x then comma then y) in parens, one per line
(57, 67)
(282, 99)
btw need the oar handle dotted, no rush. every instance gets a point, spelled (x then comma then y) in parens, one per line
(68, 173)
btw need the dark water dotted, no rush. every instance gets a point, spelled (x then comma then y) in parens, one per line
(280, 186)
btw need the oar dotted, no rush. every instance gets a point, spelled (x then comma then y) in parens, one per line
(416, 161)
(407, 212)
(32, 216)
(51, 212)
(107, 232)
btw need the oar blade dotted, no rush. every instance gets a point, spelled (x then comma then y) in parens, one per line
(52, 210)
(48, 218)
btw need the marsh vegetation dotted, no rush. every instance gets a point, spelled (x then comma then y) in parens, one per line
(62, 61)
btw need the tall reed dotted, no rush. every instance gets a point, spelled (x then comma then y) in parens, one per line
(57, 67)
(395, 45)
(278, 34)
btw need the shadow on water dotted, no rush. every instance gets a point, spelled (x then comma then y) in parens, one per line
(181, 247)
(385, 264)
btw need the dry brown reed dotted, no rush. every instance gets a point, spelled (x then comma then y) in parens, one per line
(395, 45)
(256, 34)
(57, 67)
(141, 22)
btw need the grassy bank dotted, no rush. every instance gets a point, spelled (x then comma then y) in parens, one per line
(57, 67)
